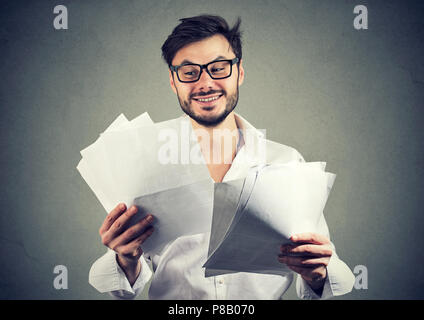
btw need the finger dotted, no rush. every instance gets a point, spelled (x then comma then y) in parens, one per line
(292, 261)
(309, 237)
(310, 250)
(310, 275)
(302, 271)
(305, 262)
(111, 217)
(306, 273)
(133, 248)
(132, 232)
(118, 225)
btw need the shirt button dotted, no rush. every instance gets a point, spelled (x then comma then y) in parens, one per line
(221, 281)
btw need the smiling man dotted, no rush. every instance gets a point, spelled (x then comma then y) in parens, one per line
(204, 57)
(205, 71)
(207, 101)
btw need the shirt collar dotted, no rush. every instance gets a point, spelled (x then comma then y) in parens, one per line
(244, 125)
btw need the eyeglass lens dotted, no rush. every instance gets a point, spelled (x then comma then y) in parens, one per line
(217, 70)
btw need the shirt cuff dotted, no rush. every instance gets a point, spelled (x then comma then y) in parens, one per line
(107, 276)
(339, 281)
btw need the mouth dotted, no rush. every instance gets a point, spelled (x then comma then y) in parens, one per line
(208, 100)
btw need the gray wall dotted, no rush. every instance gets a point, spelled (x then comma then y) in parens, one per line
(351, 98)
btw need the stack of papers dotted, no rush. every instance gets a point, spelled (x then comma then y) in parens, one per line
(123, 165)
(253, 217)
(248, 218)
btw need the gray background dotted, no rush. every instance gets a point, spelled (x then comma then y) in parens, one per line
(351, 98)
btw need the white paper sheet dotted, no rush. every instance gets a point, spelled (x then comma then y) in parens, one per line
(123, 165)
(285, 199)
(133, 156)
(226, 198)
(248, 219)
(180, 211)
(96, 172)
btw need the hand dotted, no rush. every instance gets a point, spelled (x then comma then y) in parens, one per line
(125, 240)
(312, 255)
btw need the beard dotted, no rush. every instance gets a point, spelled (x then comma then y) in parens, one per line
(211, 121)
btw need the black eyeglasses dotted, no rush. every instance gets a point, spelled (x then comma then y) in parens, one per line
(191, 72)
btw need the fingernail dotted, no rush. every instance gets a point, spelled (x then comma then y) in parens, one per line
(294, 238)
(149, 218)
(133, 209)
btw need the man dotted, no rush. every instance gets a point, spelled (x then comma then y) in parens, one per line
(205, 63)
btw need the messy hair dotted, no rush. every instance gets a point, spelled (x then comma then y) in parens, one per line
(198, 28)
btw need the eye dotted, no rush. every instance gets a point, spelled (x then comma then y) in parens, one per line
(188, 72)
(217, 69)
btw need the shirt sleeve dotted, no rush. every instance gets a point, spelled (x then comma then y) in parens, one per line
(107, 276)
(339, 281)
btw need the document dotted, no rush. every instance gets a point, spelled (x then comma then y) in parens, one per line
(95, 170)
(274, 203)
(138, 161)
(180, 211)
(124, 165)
(135, 162)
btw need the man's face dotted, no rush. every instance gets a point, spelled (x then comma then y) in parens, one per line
(202, 52)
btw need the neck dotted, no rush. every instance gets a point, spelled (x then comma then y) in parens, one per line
(218, 143)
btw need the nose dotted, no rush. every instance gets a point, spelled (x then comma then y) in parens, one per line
(205, 81)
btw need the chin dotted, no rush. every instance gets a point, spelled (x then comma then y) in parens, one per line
(210, 113)
(207, 115)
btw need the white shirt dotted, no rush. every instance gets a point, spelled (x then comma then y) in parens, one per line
(178, 273)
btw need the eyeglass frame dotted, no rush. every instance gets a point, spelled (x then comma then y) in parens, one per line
(204, 66)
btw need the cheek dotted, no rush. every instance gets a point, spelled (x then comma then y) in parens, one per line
(183, 91)
(229, 85)
(232, 82)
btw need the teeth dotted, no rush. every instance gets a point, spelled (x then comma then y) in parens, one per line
(208, 99)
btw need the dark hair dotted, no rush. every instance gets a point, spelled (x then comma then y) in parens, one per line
(198, 28)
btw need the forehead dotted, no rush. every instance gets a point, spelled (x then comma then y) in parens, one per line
(204, 51)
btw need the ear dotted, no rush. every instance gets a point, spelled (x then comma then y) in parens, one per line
(241, 73)
(171, 81)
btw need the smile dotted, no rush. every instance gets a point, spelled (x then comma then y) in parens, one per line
(208, 99)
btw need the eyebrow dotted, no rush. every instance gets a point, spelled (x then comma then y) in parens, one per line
(185, 61)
